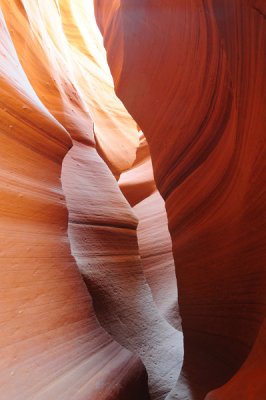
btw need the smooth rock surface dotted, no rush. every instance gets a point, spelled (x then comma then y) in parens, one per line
(155, 248)
(51, 344)
(104, 243)
(192, 75)
(102, 226)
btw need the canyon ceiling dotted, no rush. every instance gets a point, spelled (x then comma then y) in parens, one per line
(132, 200)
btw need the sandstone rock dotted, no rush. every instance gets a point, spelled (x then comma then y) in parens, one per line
(192, 75)
(51, 343)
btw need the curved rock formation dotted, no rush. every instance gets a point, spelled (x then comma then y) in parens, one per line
(191, 74)
(249, 382)
(155, 248)
(102, 227)
(137, 183)
(155, 245)
(51, 343)
(60, 49)
(104, 243)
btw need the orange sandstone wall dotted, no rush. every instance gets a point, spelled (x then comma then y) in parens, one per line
(192, 75)
(137, 183)
(102, 231)
(155, 249)
(102, 226)
(155, 245)
(51, 344)
(60, 49)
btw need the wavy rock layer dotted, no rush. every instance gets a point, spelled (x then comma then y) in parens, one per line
(137, 183)
(51, 343)
(155, 245)
(104, 243)
(60, 49)
(155, 248)
(192, 74)
(102, 227)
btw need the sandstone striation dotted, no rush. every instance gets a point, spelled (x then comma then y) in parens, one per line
(192, 76)
(155, 249)
(102, 226)
(51, 343)
(155, 245)
(132, 200)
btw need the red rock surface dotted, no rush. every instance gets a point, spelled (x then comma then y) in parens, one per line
(51, 344)
(137, 183)
(192, 75)
(155, 249)
(155, 245)
(102, 228)
(241, 385)
(104, 244)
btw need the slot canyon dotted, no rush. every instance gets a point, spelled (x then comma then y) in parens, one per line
(132, 200)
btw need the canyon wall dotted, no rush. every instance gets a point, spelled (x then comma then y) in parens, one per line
(115, 209)
(51, 344)
(102, 231)
(192, 75)
(155, 245)
(54, 62)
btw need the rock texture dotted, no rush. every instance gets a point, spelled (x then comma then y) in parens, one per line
(52, 60)
(61, 51)
(192, 75)
(51, 343)
(155, 248)
(104, 243)
(87, 194)
(137, 183)
(155, 245)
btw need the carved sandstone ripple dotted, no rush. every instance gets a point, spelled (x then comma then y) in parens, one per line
(51, 343)
(102, 228)
(155, 245)
(156, 255)
(61, 51)
(102, 231)
(192, 74)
